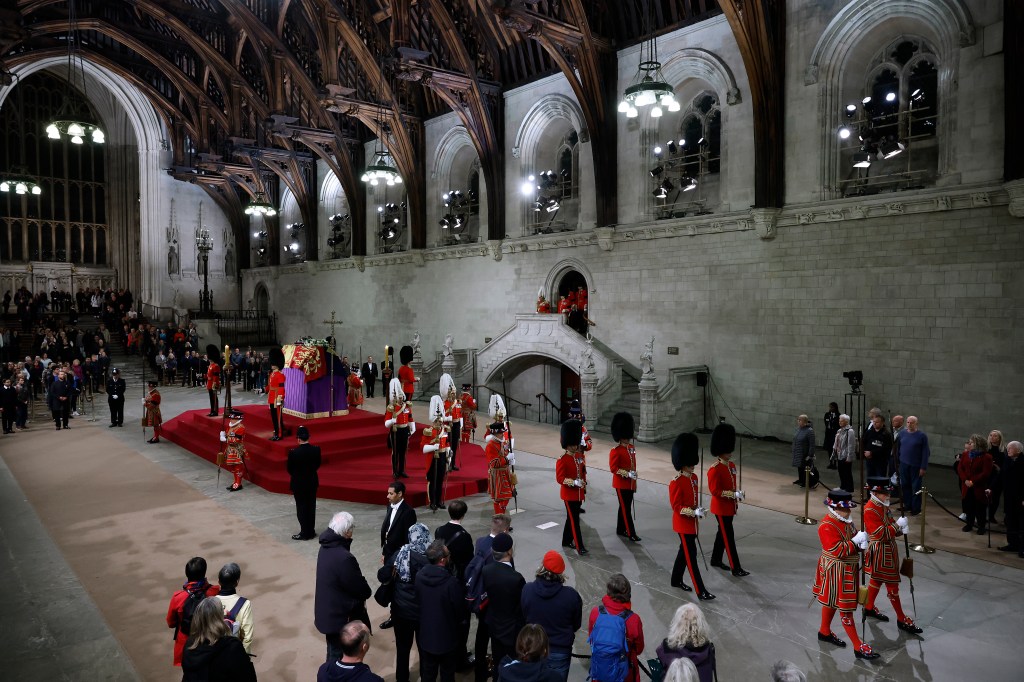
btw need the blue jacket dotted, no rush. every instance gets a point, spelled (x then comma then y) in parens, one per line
(555, 607)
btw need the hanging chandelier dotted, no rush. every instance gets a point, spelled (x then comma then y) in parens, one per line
(382, 168)
(648, 85)
(67, 121)
(18, 180)
(259, 206)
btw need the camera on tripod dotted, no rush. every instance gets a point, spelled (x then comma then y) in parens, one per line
(856, 379)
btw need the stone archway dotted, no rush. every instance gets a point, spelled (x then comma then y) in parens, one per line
(261, 299)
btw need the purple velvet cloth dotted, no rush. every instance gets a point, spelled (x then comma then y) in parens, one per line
(313, 398)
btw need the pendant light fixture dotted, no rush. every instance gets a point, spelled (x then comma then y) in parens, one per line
(648, 85)
(18, 179)
(68, 122)
(259, 206)
(382, 168)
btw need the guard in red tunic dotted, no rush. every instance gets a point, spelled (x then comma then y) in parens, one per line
(581, 297)
(500, 479)
(564, 306)
(725, 498)
(452, 416)
(234, 448)
(405, 373)
(213, 379)
(275, 391)
(469, 407)
(571, 474)
(835, 582)
(882, 560)
(684, 496)
(355, 389)
(543, 306)
(398, 419)
(576, 412)
(151, 412)
(622, 464)
(436, 447)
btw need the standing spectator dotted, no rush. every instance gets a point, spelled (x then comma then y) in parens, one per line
(401, 570)
(504, 588)
(975, 471)
(303, 464)
(483, 554)
(846, 452)
(877, 444)
(688, 638)
(195, 589)
(557, 608)
(1013, 491)
(616, 603)
(897, 431)
(355, 643)
(236, 607)
(441, 604)
(59, 400)
(913, 453)
(115, 398)
(398, 519)
(212, 653)
(8, 405)
(341, 589)
(460, 547)
(369, 374)
(998, 452)
(24, 396)
(831, 429)
(532, 649)
(803, 448)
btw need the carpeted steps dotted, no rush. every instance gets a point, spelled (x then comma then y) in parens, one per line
(356, 463)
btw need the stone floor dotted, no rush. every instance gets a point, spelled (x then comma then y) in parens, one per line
(970, 608)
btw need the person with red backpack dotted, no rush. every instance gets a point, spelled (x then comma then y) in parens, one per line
(616, 635)
(184, 602)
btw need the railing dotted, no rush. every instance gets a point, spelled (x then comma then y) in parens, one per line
(162, 314)
(510, 403)
(547, 411)
(258, 330)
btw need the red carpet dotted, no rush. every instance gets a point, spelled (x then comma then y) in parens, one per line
(356, 461)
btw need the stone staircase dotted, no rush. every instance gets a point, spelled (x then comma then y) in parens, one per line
(629, 401)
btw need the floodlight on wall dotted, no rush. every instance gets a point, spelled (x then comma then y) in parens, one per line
(657, 171)
(889, 148)
(259, 206)
(648, 85)
(890, 97)
(844, 132)
(687, 183)
(861, 160)
(672, 149)
(69, 122)
(851, 110)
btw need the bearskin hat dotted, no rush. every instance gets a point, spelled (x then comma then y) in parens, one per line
(685, 451)
(723, 439)
(572, 432)
(622, 426)
(405, 354)
(213, 353)
(277, 357)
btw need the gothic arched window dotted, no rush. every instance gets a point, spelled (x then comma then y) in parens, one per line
(687, 168)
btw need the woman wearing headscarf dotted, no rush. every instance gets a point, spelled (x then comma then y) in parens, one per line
(405, 612)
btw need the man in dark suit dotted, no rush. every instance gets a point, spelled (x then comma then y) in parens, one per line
(399, 517)
(500, 523)
(460, 547)
(303, 463)
(441, 607)
(504, 587)
(115, 398)
(368, 373)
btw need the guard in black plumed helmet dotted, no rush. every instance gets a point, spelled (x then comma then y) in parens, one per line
(684, 496)
(725, 498)
(571, 474)
(622, 464)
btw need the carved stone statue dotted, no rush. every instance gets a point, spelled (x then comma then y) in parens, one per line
(587, 359)
(647, 358)
(447, 348)
(229, 262)
(172, 261)
(415, 342)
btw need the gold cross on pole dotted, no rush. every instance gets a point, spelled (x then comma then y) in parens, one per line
(333, 322)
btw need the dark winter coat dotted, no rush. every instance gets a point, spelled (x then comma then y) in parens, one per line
(404, 603)
(441, 609)
(223, 661)
(336, 671)
(511, 670)
(703, 658)
(555, 607)
(803, 445)
(341, 589)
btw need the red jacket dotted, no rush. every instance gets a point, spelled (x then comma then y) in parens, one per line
(683, 494)
(213, 377)
(722, 478)
(977, 470)
(622, 457)
(408, 379)
(634, 632)
(275, 388)
(174, 615)
(571, 467)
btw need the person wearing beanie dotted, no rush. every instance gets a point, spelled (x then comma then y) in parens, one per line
(275, 391)
(835, 581)
(725, 498)
(622, 464)
(504, 587)
(303, 464)
(684, 496)
(571, 474)
(557, 608)
(882, 560)
(151, 412)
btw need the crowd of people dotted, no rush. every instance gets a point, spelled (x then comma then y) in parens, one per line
(572, 305)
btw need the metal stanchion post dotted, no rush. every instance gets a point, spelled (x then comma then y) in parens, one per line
(923, 548)
(806, 520)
